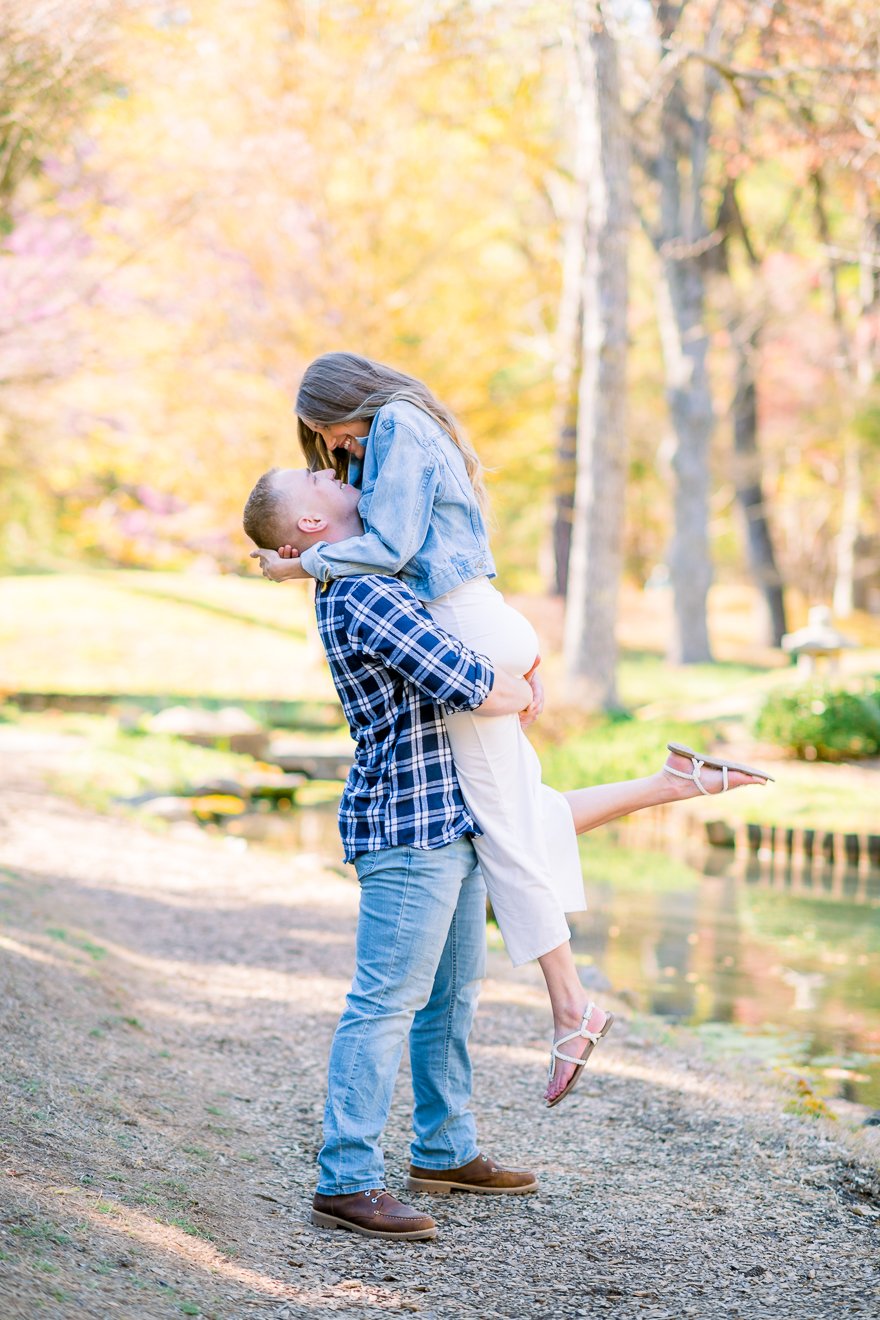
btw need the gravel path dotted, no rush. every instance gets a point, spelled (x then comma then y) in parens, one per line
(166, 1005)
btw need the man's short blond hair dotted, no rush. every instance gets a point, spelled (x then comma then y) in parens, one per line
(263, 517)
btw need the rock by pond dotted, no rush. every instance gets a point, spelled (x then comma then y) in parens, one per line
(230, 727)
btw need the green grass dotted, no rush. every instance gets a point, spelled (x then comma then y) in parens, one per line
(606, 750)
(187, 1226)
(806, 800)
(645, 679)
(96, 951)
(41, 1230)
(145, 632)
(108, 763)
(228, 638)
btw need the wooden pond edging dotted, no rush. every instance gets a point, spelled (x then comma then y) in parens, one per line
(839, 864)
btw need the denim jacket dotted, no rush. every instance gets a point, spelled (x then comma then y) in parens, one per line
(421, 519)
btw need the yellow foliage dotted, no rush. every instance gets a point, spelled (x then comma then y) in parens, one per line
(284, 183)
(808, 1104)
(217, 804)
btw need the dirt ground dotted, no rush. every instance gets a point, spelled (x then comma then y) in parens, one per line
(166, 1006)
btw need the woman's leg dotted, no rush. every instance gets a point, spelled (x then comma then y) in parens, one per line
(531, 882)
(569, 1001)
(494, 764)
(590, 807)
(500, 779)
(529, 859)
(601, 803)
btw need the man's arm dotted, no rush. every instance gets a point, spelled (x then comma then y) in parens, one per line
(509, 695)
(387, 623)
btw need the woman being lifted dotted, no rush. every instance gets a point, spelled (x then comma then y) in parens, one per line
(422, 501)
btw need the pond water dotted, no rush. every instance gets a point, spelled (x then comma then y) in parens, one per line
(758, 957)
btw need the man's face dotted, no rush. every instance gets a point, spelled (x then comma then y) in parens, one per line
(317, 503)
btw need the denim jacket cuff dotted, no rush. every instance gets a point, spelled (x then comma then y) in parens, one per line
(313, 563)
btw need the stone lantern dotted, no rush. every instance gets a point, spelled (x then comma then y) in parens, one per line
(818, 641)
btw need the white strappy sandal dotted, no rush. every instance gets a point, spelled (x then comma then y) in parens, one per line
(583, 1033)
(698, 760)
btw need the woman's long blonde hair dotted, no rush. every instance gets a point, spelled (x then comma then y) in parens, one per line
(343, 387)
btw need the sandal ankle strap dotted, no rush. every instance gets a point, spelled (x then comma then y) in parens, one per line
(694, 777)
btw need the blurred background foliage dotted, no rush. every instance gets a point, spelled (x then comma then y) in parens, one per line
(197, 198)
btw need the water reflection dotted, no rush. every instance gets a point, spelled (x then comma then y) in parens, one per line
(761, 946)
(761, 954)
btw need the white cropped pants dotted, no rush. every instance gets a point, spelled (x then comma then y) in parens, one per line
(528, 849)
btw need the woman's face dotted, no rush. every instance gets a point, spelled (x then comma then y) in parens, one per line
(343, 435)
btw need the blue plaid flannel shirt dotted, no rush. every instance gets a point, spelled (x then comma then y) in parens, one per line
(396, 672)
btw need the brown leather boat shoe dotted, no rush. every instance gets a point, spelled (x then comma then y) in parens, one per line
(482, 1174)
(374, 1214)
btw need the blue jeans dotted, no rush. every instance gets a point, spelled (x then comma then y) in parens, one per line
(421, 953)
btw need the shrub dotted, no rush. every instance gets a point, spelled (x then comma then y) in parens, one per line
(819, 723)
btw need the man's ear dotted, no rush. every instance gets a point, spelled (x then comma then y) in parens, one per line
(312, 524)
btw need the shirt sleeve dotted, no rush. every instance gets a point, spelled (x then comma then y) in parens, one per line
(387, 623)
(401, 505)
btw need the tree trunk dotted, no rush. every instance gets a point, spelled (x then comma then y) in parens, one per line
(600, 474)
(843, 599)
(683, 241)
(690, 405)
(569, 333)
(862, 367)
(749, 492)
(566, 455)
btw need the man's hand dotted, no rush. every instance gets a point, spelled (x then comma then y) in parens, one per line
(277, 569)
(515, 696)
(536, 705)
